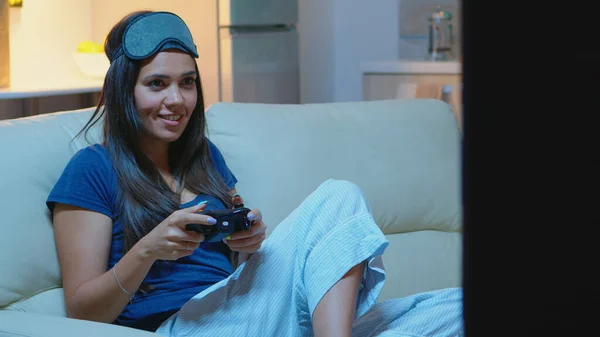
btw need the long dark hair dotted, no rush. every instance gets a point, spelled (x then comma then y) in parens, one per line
(145, 197)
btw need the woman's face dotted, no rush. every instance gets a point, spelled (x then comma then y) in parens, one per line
(165, 94)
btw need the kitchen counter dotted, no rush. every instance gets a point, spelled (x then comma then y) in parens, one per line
(75, 87)
(393, 79)
(411, 67)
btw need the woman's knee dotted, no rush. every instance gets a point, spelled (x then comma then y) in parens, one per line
(334, 203)
(341, 186)
(342, 191)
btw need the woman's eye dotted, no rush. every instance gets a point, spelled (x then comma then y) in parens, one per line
(188, 81)
(155, 84)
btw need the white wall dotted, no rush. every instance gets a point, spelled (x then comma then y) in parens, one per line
(335, 37)
(44, 34)
(364, 31)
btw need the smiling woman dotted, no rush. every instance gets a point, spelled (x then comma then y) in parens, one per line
(165, 97)
(129, 197)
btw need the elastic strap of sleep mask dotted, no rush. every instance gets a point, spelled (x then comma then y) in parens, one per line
(155, 32)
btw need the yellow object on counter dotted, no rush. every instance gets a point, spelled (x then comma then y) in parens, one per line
(90, 47)
(15, 3)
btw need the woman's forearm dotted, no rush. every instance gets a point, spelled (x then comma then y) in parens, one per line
(101, 299)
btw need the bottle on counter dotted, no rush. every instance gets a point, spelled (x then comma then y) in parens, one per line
(440, 36)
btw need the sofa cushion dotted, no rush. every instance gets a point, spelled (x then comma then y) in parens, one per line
(404, 154)
(49, 302)
(16, 323)
(421, 261)
(37, 149)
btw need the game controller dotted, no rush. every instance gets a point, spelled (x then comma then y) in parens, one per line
(228, 221)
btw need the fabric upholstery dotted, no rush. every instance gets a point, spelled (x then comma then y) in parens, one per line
(27, 324)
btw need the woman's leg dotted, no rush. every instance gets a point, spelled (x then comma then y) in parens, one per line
(276, 292)
(437, 313)
(335, 313)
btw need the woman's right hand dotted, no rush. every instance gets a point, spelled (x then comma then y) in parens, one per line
(169, 240)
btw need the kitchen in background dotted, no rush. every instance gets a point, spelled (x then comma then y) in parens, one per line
(248, 50)
(341, 42)
(43, 76)
(421, 71)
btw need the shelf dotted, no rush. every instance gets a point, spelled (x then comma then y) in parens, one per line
(411, 67)
(79, 87)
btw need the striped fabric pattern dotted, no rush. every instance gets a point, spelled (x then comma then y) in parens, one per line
(433, 313)
(276, 291)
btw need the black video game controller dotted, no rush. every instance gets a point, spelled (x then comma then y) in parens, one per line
(228, 221)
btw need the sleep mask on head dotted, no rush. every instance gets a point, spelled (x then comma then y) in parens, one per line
(154, 32)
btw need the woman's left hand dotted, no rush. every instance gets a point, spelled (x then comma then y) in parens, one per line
(251, 240)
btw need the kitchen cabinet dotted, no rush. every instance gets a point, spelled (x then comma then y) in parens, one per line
(413, 79)
(23, 107)
(23, 102)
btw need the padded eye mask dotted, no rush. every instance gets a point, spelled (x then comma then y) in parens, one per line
(155, 32)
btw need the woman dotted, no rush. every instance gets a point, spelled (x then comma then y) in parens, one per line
(120, 211)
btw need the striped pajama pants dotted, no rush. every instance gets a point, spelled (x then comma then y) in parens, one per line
(276, 291)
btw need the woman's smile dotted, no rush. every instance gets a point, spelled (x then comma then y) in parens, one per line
(170, 120)
(166, 94)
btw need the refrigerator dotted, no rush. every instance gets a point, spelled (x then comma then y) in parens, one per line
(258, 51)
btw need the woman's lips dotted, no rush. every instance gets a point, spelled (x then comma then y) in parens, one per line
(171, 120)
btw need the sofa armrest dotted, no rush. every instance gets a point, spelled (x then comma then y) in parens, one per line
(19, 323)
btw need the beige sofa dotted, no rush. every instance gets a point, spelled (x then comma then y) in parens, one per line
(404, 154)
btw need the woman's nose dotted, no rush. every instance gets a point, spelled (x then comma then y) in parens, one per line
(174, 95)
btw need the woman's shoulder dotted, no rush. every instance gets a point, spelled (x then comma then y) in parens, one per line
(92, 157)
(213, 149)
(88, 181)
(92, 152)
(210, 143)
(215, 153)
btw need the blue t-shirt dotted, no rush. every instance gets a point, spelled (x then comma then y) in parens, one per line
(90, 181)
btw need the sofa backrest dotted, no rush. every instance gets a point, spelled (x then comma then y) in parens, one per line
(404, 154)
(33, 153)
